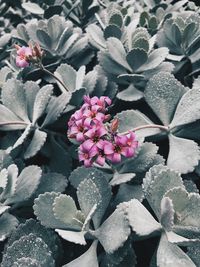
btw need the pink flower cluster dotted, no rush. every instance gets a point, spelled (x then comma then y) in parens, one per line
(99, 142)
(28, 54)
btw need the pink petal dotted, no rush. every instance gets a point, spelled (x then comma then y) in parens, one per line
(100, 160)
(87, 145)
(80, 137)
(87, 163)
(21, 63)
(116, 158)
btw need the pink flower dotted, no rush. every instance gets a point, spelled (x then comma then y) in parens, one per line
(100, 103)
(23, 54)
(124, 145)
(96, 133)
(87, 151)
(93, 116)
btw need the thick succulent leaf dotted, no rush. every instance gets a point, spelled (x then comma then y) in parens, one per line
(33, 227)
(184, 154)
(88, 195)
(56, 108)
(38, 140)
(64, 209)
(130, 119)
(154, 59)
(7, 116)
(13, 90)
(120, 178)
(127, 192)
(169, 255)
(3, 208)
(136, 58)
(5, 159)
(158, 180)
(10, 188)
(24, 262)
(31, 89)
(186, 206)
(167, 214)
(141, 220)
(72, 236)
(95, 35)
(188, 108)
(112, 31)
(52, 182)
(117, 52)
(115, 230)
(163, 93)
(3, 179)
(33, 8)
(180, 240)
(101, 182)
(43, 209)
(23, 137)
(8, 223)
(41, 101)
(194, 254)
(130, 94)
(143, 160)
(29, 246)
(67, 75)
(89, 258)
(26, 184)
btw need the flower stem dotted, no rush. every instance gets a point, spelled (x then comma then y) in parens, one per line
(13, 123)
(54, 76)
(161, 127)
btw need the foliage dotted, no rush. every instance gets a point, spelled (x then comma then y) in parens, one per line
(136, 65)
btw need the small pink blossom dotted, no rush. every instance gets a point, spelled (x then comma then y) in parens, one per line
(101, 102)
(87, 151)
(23, 54)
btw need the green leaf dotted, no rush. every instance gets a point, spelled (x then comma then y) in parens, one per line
(7, 116)
(5, 159)
(43, 209)
(96, 37)
(67, 75)
(136, 58)
(12, 175)
(169, 255)
(186, 206)
(127, 192)
(88, 195)
(38, 140)
(130, 94)
(33, 8)
(89, 258)
(116, 19)
(13, 91)
(56, 108)
(26, 185)
(7, 224)
(143, 160)
(23, 137)
(44, 39)
(24, 262)
(141, 43)
(120, 178)
(72, 236)
(52, 182)
(41, 101)
(141, 220)
(64, 209)
(194, 254)
(188, 109)
(117, 52)
(167, 214)
(28, 246)
(112, 31)
(162, 94)
(184, 154)
(155, 59)
(115, 230)
(158, 180)
(130, 119)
